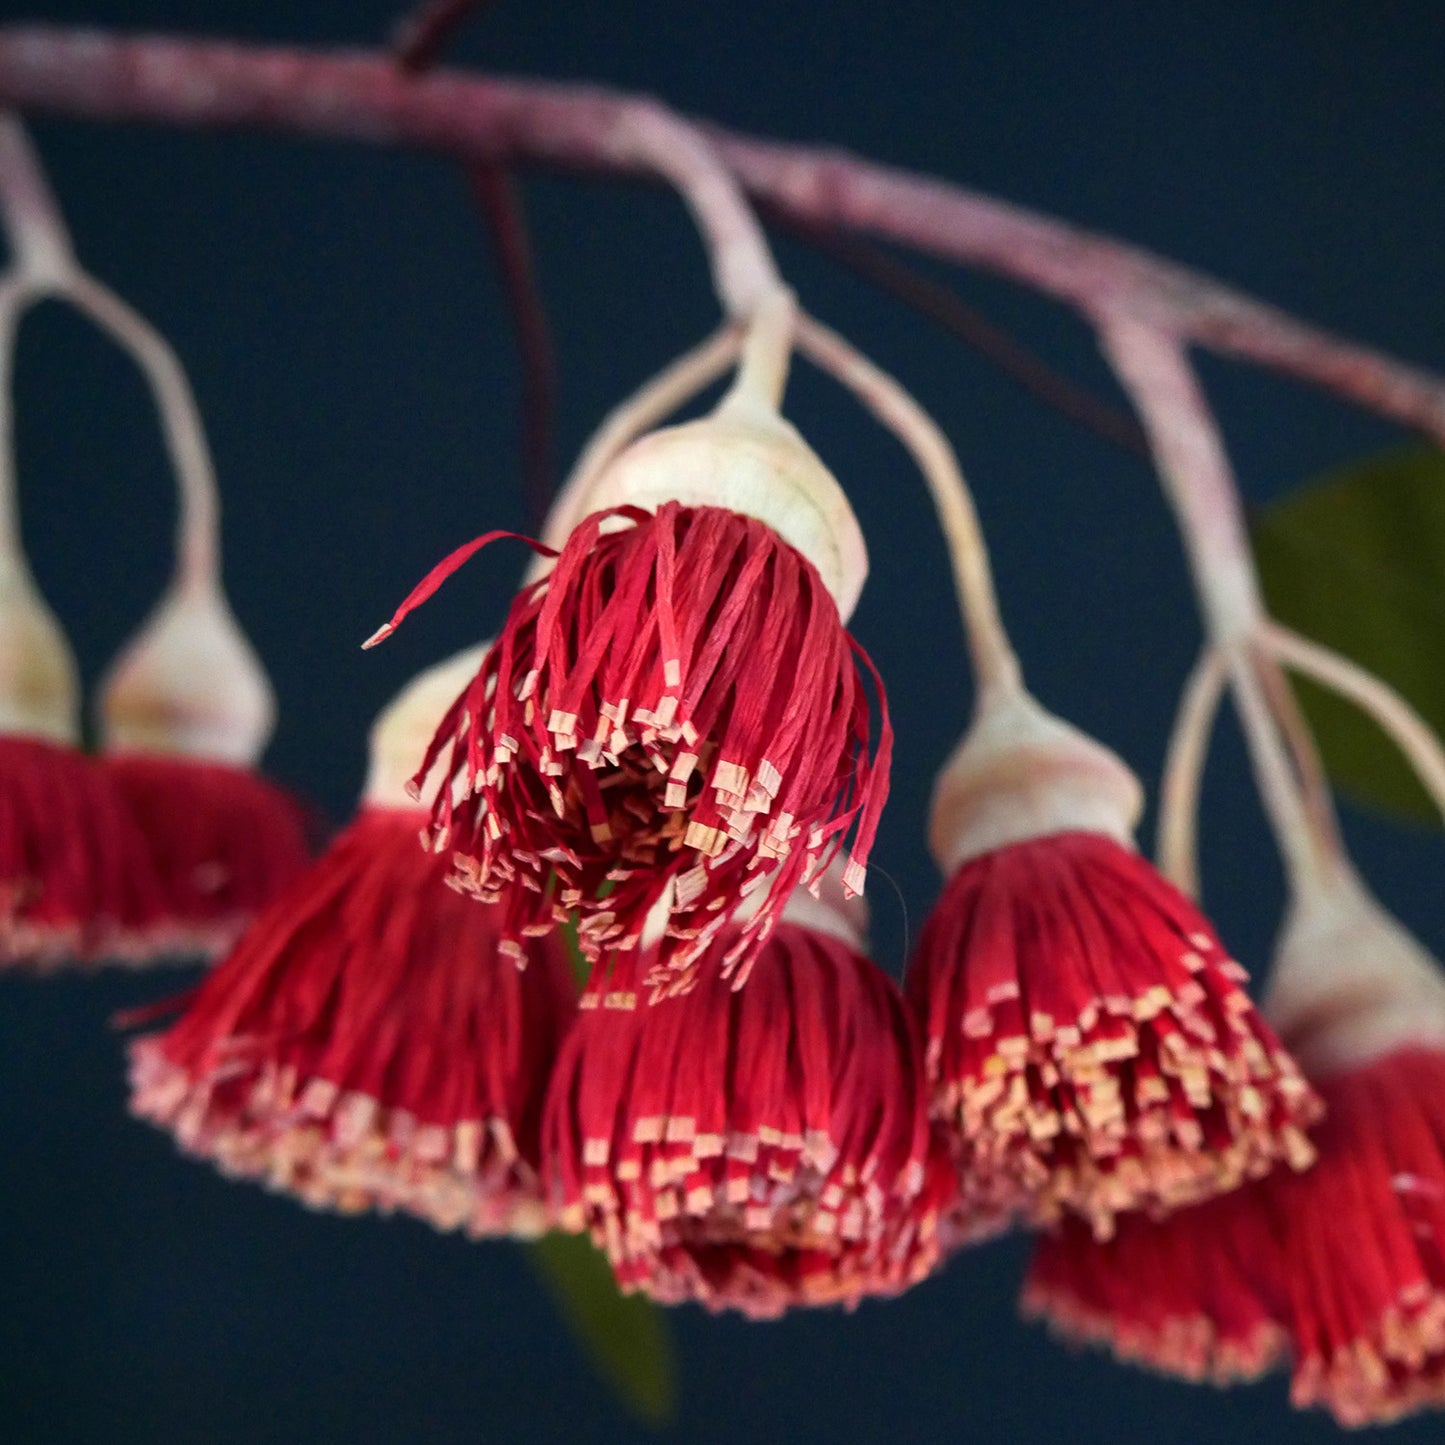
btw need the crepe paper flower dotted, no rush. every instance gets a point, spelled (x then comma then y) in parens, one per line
(1089, 1040)
(754, 1148)
(674, 717)
(367, 1044)
(185, 712)
(1363, 1006)
(76, 883)
(1197, 1295)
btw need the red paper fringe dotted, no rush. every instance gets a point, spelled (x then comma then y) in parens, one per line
(1090, 1041)
(753, 1149)
(223, 841)
(76, 883)
(1364, 1236)
(367, 1046)
(1198, 1295)
(676, 713)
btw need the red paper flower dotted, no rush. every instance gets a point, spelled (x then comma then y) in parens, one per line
(367, 1045)
(1090, 1040)
(186, 712)
(76, 884)
(671, 721)
(223, 842)
(755, 1148)
(1199, 1294)
(1364, 1243)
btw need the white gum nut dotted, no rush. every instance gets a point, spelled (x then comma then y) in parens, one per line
(39, 681)
(189, 684)
(1020, 772)
(748, 459)
(404, 727)
(1349, 982)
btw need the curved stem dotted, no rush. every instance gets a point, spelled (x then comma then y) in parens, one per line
(995, 663)
(198, 564)
(1308, 860)
(1374, 697)
(39, 243)
(44, 263)
(743, 270)
(1198, 480)
(767, 350)
(1192, 464)
(16, 293)
(1176, 839)
(1289, 717)
(651, 404)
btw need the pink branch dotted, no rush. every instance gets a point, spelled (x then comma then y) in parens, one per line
(364, 98)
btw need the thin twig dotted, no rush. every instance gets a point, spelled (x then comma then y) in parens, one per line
(1176, 838)
(420, 39)
(501, 204)
(946, 309)
(424, 34)
(996, 667)
(1374, 697)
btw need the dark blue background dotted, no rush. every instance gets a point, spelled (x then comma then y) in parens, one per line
(347, 341)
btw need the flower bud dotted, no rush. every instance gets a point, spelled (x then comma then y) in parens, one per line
(189, 683)
(1020, 772)
(748, 459)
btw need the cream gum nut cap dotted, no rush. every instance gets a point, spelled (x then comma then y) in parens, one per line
(746, 458)
(1349, 983)
(189, 684)
(39, 681)
(1019, 773)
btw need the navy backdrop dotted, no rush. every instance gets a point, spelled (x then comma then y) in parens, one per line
(350, 350)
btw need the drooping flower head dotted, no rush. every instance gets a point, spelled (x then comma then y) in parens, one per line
(1089, 1040)
(674, 717)
(1339, 1269)
(1198, 1295)
(76, 884)
(185, 714)
(754, 1148)
(1363, 1007)
(366, 1044)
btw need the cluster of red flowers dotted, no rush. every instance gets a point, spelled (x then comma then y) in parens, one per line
(135, 856)
(663, 766)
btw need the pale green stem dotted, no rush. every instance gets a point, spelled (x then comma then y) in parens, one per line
(996, 666)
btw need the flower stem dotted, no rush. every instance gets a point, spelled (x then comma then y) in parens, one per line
(1194, 468)
(995, 664)
(767, 351)
(1175, 841)
(1395, 717)
(651, 404)
(44, 264)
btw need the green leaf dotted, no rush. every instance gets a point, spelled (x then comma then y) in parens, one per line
(1356, 560)
(570, 941)
(625, 1336)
